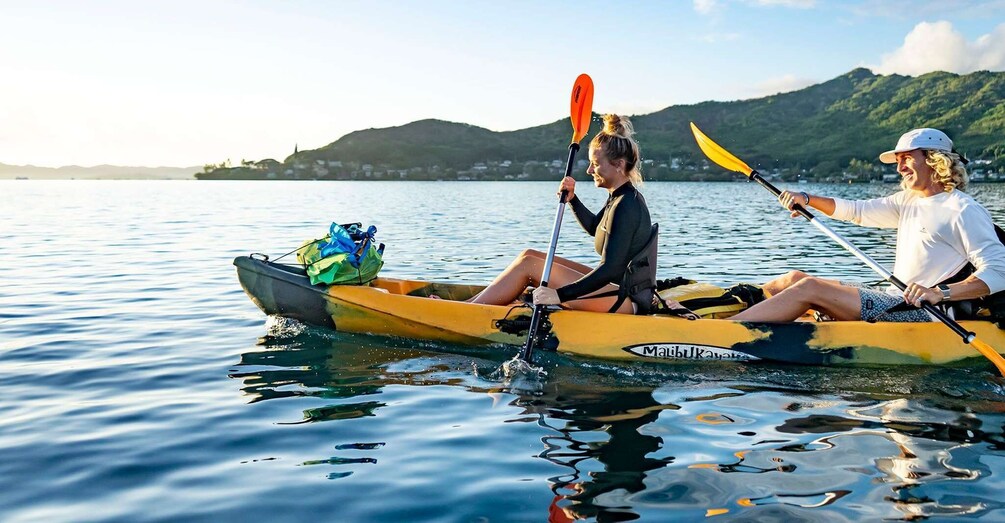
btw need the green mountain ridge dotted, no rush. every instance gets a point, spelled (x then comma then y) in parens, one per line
(821, 128)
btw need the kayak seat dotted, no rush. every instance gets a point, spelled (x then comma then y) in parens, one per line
(639, 281)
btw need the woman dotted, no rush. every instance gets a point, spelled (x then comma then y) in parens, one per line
(622, 230)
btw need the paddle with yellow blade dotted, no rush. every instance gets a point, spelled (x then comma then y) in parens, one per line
(581, 111)
(726, 160)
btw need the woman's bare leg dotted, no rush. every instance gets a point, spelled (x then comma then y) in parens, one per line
(838, 301)
(525, 271)
(576, 266)
(561, 278)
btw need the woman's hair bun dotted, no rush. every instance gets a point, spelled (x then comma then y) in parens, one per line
(619, 126)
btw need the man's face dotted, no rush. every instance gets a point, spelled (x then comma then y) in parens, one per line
(915, 173)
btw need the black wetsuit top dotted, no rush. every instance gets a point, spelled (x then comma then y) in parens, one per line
(621, 230)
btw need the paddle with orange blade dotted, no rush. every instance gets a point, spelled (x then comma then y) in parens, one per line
(727, 161)
(581, 111)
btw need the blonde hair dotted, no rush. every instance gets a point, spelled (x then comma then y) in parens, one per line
(615, 139)
(949, 170)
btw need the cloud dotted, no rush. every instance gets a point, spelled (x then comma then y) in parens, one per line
(937, 46)
(782, 84)
(704, 7)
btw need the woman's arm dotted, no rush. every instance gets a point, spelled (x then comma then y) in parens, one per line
(615, 254)
(587, 220)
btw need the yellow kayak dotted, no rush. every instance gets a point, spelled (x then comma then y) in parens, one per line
(403, 308)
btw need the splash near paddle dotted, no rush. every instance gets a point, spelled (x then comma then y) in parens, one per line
(580, 112)
(727, 161)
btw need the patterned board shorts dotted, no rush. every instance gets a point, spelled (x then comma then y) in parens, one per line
(876, 303)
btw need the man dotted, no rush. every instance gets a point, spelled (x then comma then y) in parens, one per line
(947, 249)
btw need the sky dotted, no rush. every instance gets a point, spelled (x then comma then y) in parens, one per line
(186, 83)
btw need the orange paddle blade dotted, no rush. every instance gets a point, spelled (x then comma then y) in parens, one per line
(582, 107)
(719, 155)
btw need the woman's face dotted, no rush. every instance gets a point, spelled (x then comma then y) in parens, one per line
(605, 173)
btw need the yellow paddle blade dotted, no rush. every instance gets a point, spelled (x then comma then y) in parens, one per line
(582, 106)
(719, 155)
(990, 354)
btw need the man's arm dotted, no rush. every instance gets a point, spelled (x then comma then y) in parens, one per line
(968, 289)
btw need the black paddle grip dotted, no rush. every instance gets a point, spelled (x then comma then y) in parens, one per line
(935, 311)
(951, 323)
(573, 149)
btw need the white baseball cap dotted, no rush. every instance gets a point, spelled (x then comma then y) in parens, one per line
(924, 138)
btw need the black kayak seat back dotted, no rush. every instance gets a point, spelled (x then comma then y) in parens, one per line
(639, 281)
(638, 284)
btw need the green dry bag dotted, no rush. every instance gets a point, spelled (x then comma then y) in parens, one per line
(334, 261)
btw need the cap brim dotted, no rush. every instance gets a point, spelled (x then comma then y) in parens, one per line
(889, 156)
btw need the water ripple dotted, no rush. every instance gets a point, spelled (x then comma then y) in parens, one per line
(139, 383)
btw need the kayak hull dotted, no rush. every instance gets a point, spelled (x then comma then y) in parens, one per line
(402, 308)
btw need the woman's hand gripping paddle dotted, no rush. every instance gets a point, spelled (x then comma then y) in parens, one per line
(581, 111)
(727, 161)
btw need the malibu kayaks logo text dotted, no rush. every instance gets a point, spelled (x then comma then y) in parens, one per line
(686, 351)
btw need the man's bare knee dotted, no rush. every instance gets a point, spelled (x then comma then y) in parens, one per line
(793, 277)
(810, 288)
(784, 281)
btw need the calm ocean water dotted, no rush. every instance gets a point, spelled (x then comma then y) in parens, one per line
(139, 383)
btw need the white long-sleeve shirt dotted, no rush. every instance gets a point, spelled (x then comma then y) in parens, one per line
(936, 235)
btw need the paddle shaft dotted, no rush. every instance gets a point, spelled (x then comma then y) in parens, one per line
(887, 275)
(535, 318)
(546, 274)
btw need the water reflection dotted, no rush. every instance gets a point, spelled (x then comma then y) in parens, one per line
(743, 441)
(578, 415)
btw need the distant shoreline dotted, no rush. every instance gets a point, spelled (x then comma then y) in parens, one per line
(98, 172)
(95, 178)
